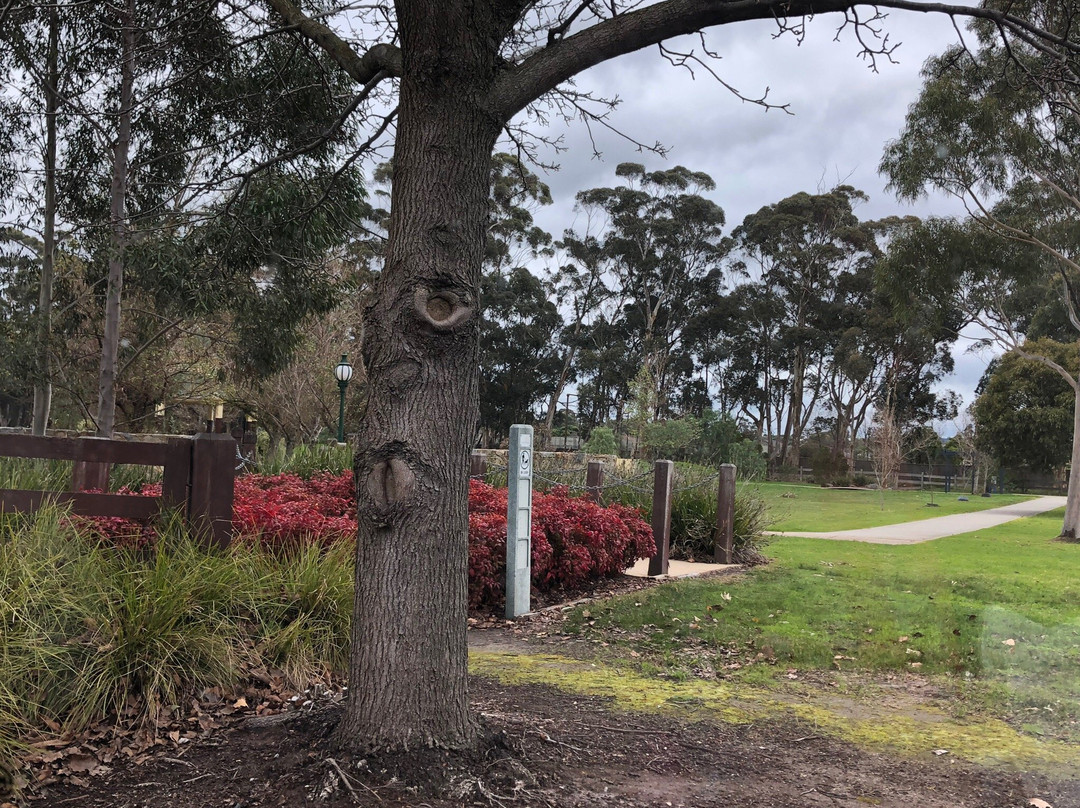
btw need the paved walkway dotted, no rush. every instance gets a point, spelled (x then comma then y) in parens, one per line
(938, 527)
(678, 569)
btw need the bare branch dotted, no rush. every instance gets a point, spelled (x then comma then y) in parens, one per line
(545, 69)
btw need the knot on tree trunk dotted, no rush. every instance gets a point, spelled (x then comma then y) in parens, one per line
(442, 309)
(389, 482)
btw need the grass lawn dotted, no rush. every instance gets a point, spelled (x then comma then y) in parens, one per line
(816, 509)
(994, 615)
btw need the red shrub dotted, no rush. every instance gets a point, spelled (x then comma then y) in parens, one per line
(574, 541)
(286, 509)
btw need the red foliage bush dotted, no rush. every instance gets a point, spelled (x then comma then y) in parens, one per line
(285, 509)
(574, 541)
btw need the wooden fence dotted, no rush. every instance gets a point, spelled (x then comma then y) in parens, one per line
(197, 478)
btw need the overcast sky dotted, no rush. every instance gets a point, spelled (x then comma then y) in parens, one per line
(844, 113)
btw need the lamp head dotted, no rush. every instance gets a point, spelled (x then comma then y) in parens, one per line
(343, 370)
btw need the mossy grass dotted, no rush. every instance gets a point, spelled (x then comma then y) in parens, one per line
(815, 509)
(886, 727)
(994, 616)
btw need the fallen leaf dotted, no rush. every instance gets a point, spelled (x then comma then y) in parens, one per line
(1009, 642)
(940, 752)
(1035, 802)
(81, 763)
(240, 702)
(903, 639)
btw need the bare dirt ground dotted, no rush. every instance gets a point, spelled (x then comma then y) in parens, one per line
(553, 750)
(543, 748)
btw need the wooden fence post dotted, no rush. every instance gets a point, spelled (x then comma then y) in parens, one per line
(663, 472)
(478, 466)
(594, 481)
(213, 459)
(176, 478)
(89, 475)
(724, 539)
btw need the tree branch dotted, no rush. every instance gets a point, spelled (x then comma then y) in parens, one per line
(564, 58)
(363, 68)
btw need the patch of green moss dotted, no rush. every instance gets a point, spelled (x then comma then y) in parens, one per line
(916, 731)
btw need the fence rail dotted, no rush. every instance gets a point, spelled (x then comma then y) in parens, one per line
(197, 478)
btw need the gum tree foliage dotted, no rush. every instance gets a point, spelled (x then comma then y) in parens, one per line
(1024, 412)
(148, 112)
(459, 74)
(664, 246)
(801, 250)
(998, 125)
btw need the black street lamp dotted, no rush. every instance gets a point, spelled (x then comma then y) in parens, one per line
(343, 372)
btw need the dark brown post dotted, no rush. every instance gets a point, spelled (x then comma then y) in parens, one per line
(478, 466)
(89, 475)
(663, 472)
(594, 480)
(723, 540)
(176, 478)
(213, 457)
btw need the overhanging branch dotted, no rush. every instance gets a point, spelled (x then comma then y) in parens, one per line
(564, 58)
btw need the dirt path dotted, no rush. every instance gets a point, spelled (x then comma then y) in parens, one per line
(938, 527)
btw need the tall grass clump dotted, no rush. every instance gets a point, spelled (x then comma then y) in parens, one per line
(92, 630)
(302, 609)
(35, 475)
(55, 475)
(307, 459)
(693, 513)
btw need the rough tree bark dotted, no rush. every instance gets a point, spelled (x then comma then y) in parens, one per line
(421, 351)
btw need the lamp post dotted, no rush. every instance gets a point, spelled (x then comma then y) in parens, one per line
(343, 372)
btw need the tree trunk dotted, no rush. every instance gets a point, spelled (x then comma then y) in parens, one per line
(110, 345)
(553, 400)
(409, 664)
(1070, 530)
(43, 374)
(789, 449)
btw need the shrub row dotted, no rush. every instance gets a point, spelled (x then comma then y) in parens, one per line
(574, 540)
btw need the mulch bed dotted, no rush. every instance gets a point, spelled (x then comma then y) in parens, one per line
(547, 748)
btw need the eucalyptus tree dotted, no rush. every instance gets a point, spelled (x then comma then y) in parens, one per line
(799, 249)
(998, 125)
(464, 72)
(580, 286)
(665, 243)
(152, 112)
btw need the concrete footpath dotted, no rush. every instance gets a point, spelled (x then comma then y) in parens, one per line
(938, 527)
